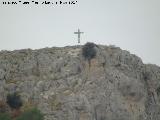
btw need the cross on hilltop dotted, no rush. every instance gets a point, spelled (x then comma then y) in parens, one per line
(79, 33)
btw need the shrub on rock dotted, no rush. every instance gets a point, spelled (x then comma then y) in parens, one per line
(88, 51)
(31, 114)
(14, 101)
(5, 116)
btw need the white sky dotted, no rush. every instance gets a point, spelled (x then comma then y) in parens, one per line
(133, 25)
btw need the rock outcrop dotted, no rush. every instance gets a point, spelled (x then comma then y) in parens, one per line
(115, 86)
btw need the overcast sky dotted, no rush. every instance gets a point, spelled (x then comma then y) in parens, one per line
(133, 25)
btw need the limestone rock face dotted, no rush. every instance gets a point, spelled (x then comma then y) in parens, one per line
(115, 86)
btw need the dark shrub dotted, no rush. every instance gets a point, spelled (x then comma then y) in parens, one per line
(14, 101)
(4, 116)
(88, 51)
(31, 114)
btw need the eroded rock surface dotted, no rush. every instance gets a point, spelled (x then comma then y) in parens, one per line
(115, 86)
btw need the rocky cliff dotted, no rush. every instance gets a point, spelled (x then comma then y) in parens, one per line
(115, 86)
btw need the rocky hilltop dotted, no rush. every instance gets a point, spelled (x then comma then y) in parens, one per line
(115, 85)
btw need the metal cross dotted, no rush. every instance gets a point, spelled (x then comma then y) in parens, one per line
(79, 33)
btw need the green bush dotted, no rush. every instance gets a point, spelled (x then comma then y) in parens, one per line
(88, 51)
(31, 114)
(14, 101)
(5, 116)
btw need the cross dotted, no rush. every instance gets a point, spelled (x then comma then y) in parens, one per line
(79, 33)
